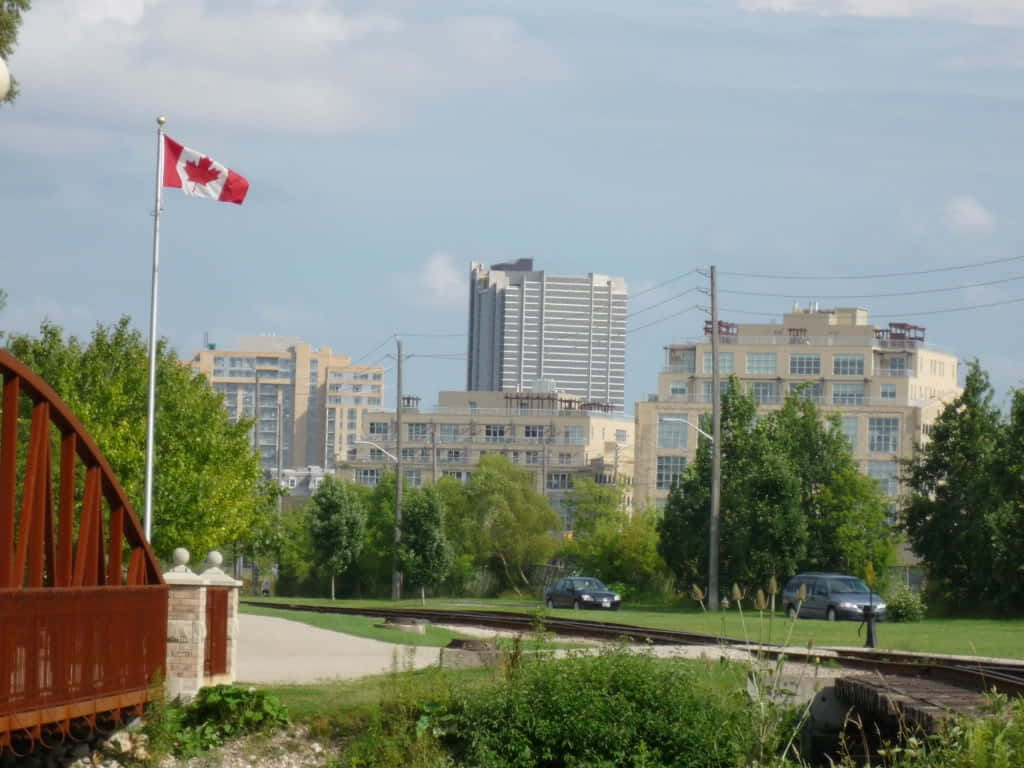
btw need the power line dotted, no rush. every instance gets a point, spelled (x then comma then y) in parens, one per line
(367, 354)
(876, 276)
(957, 309)
(662, 319)
(880, 295)
(432, 335)
(663, 301)
(663, 283)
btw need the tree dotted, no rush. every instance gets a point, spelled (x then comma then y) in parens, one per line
(506, 519)
(845, 511)
(11, 12)
(424, 554)
(337, 524)
(956, 483)
(587, 502)
(208, 486)
(1007, 521)
(763, 532)
(623, 549)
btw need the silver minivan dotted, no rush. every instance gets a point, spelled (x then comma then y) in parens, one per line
(831, 596)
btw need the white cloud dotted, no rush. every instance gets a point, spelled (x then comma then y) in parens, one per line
(1009, 13)
(292, 66)
(441, 284)
(965, 215)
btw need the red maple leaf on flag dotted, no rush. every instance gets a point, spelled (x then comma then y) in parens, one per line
(202, 172)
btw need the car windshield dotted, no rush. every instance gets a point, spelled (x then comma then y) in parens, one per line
(589, 585)
(848, 585)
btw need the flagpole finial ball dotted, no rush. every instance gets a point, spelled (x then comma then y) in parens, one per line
(161, 120)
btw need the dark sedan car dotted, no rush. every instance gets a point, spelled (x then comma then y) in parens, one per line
(581, 592)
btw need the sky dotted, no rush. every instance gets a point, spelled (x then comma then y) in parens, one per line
(801, 146)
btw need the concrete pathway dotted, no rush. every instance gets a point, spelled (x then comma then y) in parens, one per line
(272, 650)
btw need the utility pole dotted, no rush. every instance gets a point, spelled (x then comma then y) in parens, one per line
(396, 577)
(716, 450)
(280, 445)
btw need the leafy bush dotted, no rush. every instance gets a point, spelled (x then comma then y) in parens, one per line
(216, 714)
(905, 605)
(618, 708)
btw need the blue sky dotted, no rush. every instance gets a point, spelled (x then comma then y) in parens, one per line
(388, 144)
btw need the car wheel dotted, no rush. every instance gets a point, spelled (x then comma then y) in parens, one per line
(830, 614)
(549, 603)
(575, 605)
(791, 611)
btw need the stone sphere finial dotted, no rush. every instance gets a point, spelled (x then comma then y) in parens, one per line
(181, 556)
(215, 558)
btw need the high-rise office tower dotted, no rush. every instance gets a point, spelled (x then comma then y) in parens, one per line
(527, 325)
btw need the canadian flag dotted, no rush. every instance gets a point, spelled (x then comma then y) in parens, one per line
(201, 176)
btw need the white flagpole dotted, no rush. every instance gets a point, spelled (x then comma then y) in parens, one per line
(151, 407)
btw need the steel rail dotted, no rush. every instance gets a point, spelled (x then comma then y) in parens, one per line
(986, 675)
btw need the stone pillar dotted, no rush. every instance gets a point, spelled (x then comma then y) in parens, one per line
(213, 576)
(186, 629)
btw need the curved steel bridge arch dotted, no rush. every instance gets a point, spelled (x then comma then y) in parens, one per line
(83, 606)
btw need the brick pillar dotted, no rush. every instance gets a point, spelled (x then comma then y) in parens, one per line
(215, 577)
(186, 629)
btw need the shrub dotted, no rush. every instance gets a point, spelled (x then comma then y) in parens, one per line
(617, 708)
(905, 605)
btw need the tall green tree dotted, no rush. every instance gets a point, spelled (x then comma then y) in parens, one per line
(1007, 522)
(337, 525)
(956, 491)
(424, 554)
(623, 549)
(763, 532)
(507, 520)
(208, 487)
(587, 502)
(11, 12)
(845, 511)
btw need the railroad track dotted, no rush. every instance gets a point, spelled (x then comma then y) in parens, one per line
(983, 675)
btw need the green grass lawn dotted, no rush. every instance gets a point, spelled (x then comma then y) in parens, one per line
(982, 637)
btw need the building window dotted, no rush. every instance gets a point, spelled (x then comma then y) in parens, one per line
(761, 363)
(459, 474)
(379, 428)
(533, 457)
(533, 431)
(413, 478)
(764, 392)
(898, 365)
(888, 392)
(573, 435)
(455, 455)
(376, 454)
(559, 481)
(565, 458)
(809, 390)
(449, 433)
(621, 436)
(850, 431)
(887, 473)
(368, 477)
(673, 432)
(683, 360)
(884, 434)
(726, 362)
(678, 388)
(805, 365)
(848, 365)
(417, 431)
(516, 457)
(494, 433)
(848, 393)
(723, 388)
(409, 454)
(670, 470)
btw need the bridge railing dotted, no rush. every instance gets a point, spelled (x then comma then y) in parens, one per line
(83, 607)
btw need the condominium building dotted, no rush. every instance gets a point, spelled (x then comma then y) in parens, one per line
(526, 325)
(557, 436)
(311, 402)
(886, 383)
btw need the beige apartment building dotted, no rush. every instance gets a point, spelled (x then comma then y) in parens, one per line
(886, 383)
(312, 402)
(559, 437)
